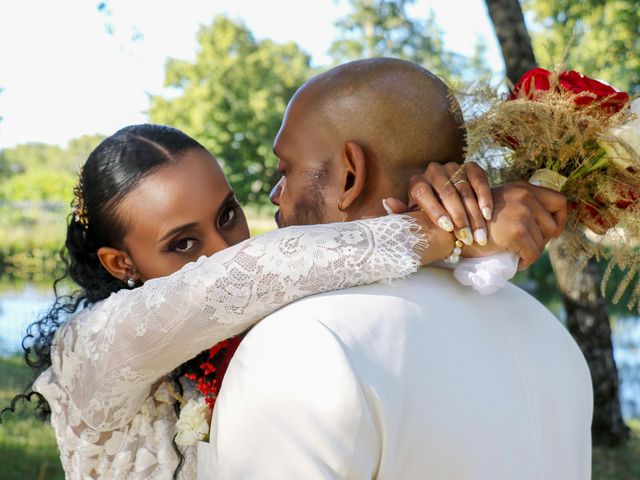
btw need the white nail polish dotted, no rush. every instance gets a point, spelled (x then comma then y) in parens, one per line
(386, 207)
(445, 223)
(486, 213)
(480, 236)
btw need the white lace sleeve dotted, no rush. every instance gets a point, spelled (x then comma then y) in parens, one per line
(108, 357)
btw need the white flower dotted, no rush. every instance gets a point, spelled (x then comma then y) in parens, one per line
(193, 424)
(628, 134)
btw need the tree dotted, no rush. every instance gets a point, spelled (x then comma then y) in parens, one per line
(376, 28)
(42, 185)
(232, 98)
(508, 22)
(41, 172)
(598, 37)
(37, 156)
(587, 314)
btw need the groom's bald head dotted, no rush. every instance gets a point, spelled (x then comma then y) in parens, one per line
(390, 116)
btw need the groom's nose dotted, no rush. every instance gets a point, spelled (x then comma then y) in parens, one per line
(276, 191)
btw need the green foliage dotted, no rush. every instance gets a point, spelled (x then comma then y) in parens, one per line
(376, 28)
(32, 235)
(29, 156)
(39, 172)
(5, 171)
(39, 185)
(232, 98)
(601, 38)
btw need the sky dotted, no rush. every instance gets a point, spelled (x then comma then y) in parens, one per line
(63, 74)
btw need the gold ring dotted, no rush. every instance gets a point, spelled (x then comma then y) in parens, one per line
(460, 181)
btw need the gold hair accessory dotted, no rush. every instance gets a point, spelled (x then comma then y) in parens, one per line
(79, 209)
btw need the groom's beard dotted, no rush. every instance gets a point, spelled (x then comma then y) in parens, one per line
(308, 210)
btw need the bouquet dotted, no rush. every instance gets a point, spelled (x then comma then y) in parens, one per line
(576, 135)
(194, 420)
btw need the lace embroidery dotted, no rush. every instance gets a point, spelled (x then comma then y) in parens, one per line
(111, 411)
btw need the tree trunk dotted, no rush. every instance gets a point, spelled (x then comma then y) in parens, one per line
(587, 313)
(588, 322)
(508, 22)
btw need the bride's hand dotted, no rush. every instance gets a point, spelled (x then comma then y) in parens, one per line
(455, 197)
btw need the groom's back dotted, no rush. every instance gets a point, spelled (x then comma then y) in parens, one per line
(424, 379)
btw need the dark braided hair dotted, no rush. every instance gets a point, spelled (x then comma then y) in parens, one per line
(113, 169)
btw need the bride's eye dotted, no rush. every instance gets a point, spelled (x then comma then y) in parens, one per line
(227, 217)
(186, 245)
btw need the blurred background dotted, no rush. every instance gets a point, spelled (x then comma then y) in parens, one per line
(75, 71)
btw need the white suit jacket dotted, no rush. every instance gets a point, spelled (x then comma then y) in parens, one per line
(424, 379)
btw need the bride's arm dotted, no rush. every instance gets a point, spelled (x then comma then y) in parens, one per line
(111, 354)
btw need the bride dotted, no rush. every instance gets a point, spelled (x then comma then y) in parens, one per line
(159, 247)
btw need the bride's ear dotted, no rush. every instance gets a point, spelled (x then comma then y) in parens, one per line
(117, 263)
(355, 174)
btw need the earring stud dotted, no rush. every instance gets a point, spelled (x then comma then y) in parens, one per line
(130, 283)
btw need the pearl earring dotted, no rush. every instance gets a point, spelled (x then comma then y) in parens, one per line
(130, 283)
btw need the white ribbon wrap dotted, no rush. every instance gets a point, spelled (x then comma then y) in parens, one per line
(487, 275)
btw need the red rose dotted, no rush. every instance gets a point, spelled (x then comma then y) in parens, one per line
(596, 91)
(536, 80)
(587, 90)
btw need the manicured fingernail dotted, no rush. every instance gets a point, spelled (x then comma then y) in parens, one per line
(445, 223)
(386, 207)
(465, 235)
(480, 236)
(486, 213)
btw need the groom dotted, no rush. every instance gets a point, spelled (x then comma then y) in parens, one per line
(421, 379)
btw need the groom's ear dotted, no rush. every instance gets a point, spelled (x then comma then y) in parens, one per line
(355, 174)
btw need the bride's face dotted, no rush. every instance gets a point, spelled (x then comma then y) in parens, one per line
(179, 213)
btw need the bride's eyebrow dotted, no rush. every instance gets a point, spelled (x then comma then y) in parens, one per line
(181, 228)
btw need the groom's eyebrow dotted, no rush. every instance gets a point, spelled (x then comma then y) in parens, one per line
(173, 231)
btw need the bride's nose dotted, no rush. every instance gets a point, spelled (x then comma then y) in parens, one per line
(276, 191)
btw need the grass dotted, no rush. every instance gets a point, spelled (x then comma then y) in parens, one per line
(27, 445)
(622, 463)
(28, 449)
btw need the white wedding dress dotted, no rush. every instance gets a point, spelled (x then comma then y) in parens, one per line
(112, 409)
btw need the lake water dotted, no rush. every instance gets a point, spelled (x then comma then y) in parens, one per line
(19, 308)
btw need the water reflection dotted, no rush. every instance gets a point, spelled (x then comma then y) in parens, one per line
(626, 352)
(19, 308)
